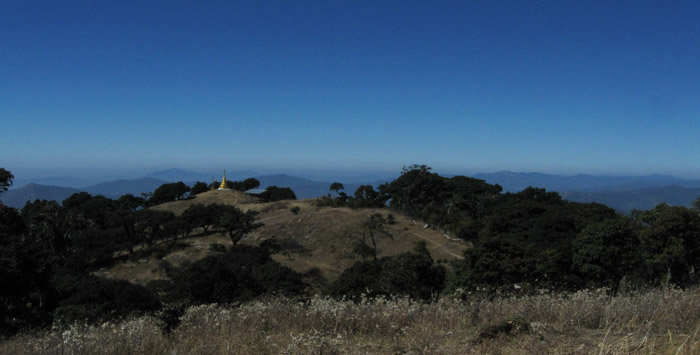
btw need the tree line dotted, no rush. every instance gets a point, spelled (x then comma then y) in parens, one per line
(535, 237)
(49, 251)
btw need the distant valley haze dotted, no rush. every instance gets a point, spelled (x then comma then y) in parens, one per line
(623, 193)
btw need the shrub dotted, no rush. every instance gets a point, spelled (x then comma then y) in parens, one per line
(240, 274)
(274, 193)
(87, 297)
(410, 274)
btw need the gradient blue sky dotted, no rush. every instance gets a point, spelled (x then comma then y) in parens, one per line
(600, 87)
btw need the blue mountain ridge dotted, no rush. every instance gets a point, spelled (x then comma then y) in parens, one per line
(622, 193)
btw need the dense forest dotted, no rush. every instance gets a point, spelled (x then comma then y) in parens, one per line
(531, 239)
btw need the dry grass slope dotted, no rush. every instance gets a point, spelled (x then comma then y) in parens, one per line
(656, 322)
(325, 234)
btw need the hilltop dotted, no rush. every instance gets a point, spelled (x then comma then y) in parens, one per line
(315, 237)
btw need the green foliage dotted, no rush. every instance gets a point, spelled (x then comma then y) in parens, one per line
(295, 209)
(6, 178)
(11, 223)
(454, 204)
(367, 197)
(49, 251)
(198, 188)
(274, 193)
(336, 186)
(607, 251)
(410, 274)
(200, 216)
(47, 222)
(670, 244)
(169, 192)
(151, 225)
(131, 202)
(245, 185)
(236, 223)
(86, 297)
(527, 237)
(24, 275)
(696, 205)
(242, 273)
(339, 201)
(94, 210)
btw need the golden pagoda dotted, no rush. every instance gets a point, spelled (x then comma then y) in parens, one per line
(224, 185)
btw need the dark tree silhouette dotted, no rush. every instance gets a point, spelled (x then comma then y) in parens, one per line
(6, 178)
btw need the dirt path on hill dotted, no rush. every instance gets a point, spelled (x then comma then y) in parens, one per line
(441, 246)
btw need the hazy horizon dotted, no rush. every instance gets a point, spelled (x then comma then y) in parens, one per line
(118, 89)
(346, 176)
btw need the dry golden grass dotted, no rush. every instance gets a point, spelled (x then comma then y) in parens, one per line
(655, 322)
(226, 197)
(326, 233)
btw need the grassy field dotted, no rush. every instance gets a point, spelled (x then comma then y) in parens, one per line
(664, 321)
(324, 235)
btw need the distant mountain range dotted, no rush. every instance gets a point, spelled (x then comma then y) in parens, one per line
(513, 182)
(112, 189)
(175, 175)
(641, 199)
(17, 198)
(303, 188)
(622, 193)
(65, 181)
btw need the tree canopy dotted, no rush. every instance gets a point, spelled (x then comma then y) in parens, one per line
(168, 193)
(6, 179)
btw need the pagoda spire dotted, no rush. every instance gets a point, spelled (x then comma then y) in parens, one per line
(224, 185)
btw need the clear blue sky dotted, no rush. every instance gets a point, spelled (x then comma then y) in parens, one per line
(601, 87)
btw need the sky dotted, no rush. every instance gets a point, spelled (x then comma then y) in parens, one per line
(564, 87)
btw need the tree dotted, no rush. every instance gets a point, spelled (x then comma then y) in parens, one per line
(250, 183)
(6, 178)
(367, 197)
(199, 215)
(336, 186)
(238, 275)
(606, 252)
(274, 193)
(151, 223)
(94, 210)
(26, 265)
(696, 205)
(77, 199)
(245, 185)
(416, 191)
(198, 188)
(169, 192)
(373, 228)
(46, 221)
(237, 223)
(412, 274)
(131, 202)
(670, 244)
